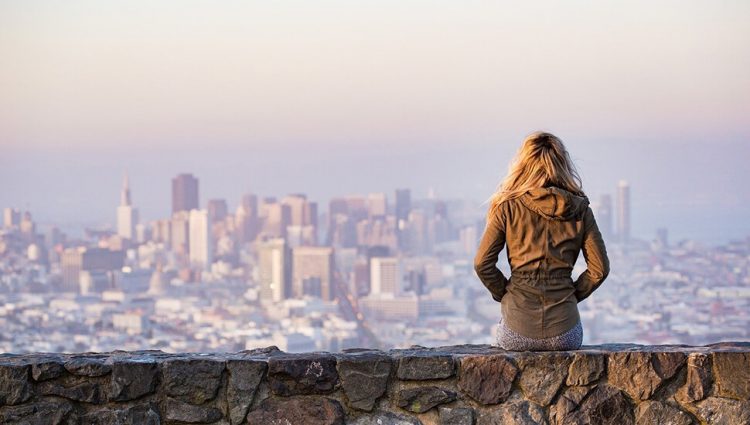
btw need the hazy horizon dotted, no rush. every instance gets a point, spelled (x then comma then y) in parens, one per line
(334, 98)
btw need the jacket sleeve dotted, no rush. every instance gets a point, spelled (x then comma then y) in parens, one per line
(485, 260)
(595, 254)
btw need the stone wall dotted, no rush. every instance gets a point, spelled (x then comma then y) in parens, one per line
(453, 385)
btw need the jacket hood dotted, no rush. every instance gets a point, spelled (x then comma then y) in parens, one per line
(555, 203)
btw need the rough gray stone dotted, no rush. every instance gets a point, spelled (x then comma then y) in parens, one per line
(385, 418)
(425, 366)
(542, 375)
(514, 413)
(40, 413)
(732, 374)
(46, 369)
(422, 399)
(656, 412)
(585, 368)
(194, 380)
(698, 381)
(147, 414)
(722, 411)
(297, 411)
(244, 378)
(88, 366)
(487, 379)
(83, 391)
(14, 384)
(132, 379)
(364, 378)
(176, 410)
(307, 373)
(456, 416)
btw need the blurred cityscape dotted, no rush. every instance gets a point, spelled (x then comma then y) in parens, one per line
(372, 270)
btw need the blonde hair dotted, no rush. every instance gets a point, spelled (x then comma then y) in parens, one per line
(541, 161)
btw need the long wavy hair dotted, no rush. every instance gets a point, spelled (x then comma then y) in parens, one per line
(541, 161)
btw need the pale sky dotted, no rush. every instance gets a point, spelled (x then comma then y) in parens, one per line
(330, 97)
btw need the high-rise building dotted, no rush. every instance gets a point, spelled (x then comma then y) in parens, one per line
(274, 269)
(127, 216)
(623, 211)
(377, 204)
(217, 210)
(184, 193)
(385, 275)
(303, 216)
(312, 272)
(201, 248)
(180, 232)
(11, 217)
(604, 216)
(278, 217)
(403, 204)
(77, 260)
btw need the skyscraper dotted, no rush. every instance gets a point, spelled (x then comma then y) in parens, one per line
(217, 210)
(201, 248)
(403, 204)
(377, 204)
(385, 275)
(604, 216)
(127, 216)
(273, 269)
(312, 272)
(184, 193)
(11, 217)
(623, 211)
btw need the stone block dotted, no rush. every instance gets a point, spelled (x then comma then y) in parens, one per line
(487, 379)
(364, 378)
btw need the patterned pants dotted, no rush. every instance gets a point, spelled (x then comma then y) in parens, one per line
(509, 340)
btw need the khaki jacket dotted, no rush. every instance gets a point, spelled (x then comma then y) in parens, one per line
(544, 230)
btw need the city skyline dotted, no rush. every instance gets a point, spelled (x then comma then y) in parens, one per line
(371, 269)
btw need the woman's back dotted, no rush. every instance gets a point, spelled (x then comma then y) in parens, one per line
(545, 229)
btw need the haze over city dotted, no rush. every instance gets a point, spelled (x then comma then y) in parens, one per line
(334, 97)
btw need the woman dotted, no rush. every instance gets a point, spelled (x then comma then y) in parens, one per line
(543, 216)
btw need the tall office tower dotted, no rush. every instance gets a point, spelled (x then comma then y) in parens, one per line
(265, 203)
(604, 216)
(403, 204)
(246, 221)
(274, 269)
(357, 207)
(312, 272)
(277, 219)
(250, 203)
(127, 216)
(303, 218)
(11, 217)
(217, 210)
(77, 260)
(27, 227)
(310, 214)
(623, 211)
(296, 203)
(184, 193)
(377, 204)
(403, 208)
(180, 232)
(201, 248)
(385, 275)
